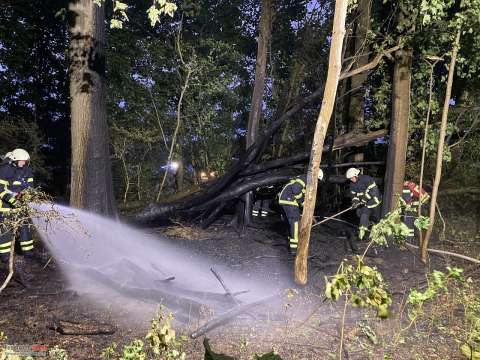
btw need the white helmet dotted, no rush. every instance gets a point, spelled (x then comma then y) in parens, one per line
(320, 174)
(352, 172)
(8, 155)
(19, 155)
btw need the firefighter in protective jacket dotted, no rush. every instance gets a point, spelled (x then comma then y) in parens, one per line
(366, 197)
(415, 198)
(290, 199)
(15, 177)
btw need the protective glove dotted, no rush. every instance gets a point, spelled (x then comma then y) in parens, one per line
(356, 204)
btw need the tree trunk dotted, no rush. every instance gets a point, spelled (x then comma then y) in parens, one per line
(91, 182)
(180, 171)
(356, 111)
(334, 68)
(441, 144)
(265, 25)
(295, 80)
(397, 149)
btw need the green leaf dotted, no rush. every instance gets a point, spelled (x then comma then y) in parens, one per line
(116, 24)
(153, 14)
(422, 222)
(383, 312)
(469, 353)
(170, 8)
(210, 355)
(120, 6)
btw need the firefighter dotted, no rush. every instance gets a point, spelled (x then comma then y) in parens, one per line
(15, 178)
(366, 198)
(414, 197)
(290, 199)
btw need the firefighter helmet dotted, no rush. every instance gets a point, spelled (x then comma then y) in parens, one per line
(352, 172)
(19, 155)
(320, 174)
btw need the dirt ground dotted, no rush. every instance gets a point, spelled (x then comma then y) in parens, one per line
(307, 328)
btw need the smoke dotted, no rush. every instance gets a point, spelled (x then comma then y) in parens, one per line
(81, 241)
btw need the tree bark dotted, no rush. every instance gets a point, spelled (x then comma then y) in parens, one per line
(91, 182)
(265, 25)
(397, 149)
(334, 69)
(440, 148)
(425, 136)
(357, 83)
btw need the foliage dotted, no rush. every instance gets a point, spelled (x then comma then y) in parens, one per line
(390, 226)
(160, 343)
(446, 292)
(436, 282)
(109, 352)
(158, 8)
(364, 285)
(162, 339)
(369, 333)
(57, 353)
(134, 351)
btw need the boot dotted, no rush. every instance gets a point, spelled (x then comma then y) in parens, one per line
(21, 273)
(39, 258)
(3, 264)
(292, 251)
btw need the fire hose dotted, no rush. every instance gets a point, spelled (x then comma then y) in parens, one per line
(332, 217)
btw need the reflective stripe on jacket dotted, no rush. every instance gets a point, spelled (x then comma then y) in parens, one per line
(293, 193)
(412, 194)
(365, 191)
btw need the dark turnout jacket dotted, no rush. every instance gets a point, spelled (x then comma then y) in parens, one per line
(365, 191)
(293, 193)
(13, 180)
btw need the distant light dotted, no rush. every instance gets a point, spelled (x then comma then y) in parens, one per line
(203, 174)
(212, 174)
(174, 165)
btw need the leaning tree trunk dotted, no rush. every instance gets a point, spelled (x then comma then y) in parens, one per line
(397, 149)
(91, 182)
(357, 84)
(440, 148)
(265, 26)
(334, 68)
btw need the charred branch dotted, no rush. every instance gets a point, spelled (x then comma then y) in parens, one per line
(230, 315)
(75, 328)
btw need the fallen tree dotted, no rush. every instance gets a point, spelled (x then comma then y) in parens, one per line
(246, 176)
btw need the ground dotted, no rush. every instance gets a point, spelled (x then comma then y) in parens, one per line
(307, 328)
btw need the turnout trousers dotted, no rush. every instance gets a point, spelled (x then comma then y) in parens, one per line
(409, 218)
(24, 241)
(261, 208)
(366, 214)
(292, 213)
